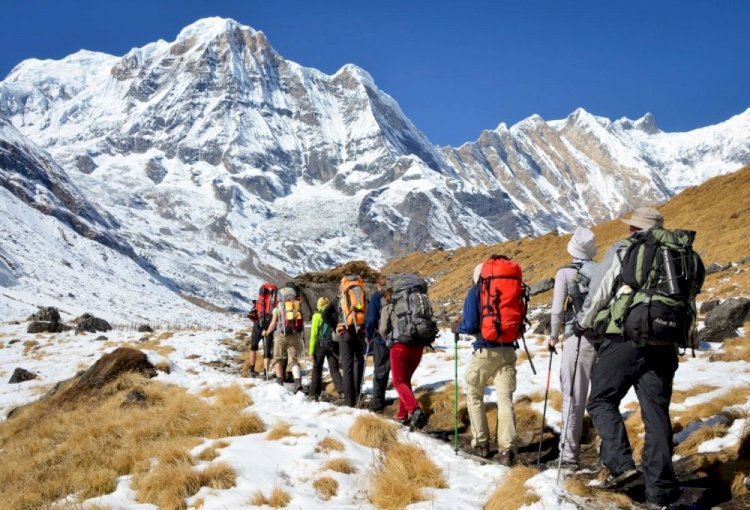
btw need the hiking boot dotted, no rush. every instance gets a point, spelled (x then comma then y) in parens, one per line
(506, 457)
(418, 420)
(615, 481)
(252, 373)
(566, 465)
(297, 385)
(403, 421)
(481, 450)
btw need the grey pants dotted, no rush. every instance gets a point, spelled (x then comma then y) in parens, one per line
(580, 391)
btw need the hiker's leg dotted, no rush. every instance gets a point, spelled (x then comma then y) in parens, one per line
(399, 368)
(579, 369)
(611, 378)
(278, 357)
(381, 370)
(476, 377)
(268, 352)
(316, 377)
(293, 350)
(346, 348)
(654, 391)
(505, 384)
(413, 358)
(359, 357)
(333, 367)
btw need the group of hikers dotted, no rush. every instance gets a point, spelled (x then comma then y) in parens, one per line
(623, 322)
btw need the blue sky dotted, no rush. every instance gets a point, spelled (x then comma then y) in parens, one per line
(455, 68)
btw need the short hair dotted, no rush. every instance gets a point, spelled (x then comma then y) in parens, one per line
(381, 280)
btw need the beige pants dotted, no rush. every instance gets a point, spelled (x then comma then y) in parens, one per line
(498, 365)
(287, 346)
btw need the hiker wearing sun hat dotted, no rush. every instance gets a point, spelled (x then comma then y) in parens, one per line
(323, 347)
(630, 292)
(578, 353)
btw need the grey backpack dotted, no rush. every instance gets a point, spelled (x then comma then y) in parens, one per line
(414, 320)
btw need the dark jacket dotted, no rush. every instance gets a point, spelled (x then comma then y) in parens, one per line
(471, 320)
(372, 319)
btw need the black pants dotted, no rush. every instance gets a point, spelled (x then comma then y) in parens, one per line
(381, 356)
(267, 342)
(352, 358)
(620, 365)
(325, 349)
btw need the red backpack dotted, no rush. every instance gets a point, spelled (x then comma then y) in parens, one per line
(503, 300)
(265, 304)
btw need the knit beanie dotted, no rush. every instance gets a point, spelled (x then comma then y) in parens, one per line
(323, 302)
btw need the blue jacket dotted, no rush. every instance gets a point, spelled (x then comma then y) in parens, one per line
(471, 320)
(372, 319)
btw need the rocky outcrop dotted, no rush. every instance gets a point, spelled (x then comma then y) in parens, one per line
(723, 320)
(87, 323)
(21, 375)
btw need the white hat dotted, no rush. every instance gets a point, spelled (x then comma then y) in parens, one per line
(583, 244)
(645, 218)
(477, 272)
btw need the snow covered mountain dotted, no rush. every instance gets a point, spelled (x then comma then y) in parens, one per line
(220, 162)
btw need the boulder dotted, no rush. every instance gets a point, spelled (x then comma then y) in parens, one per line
(715, 267)
(545, 325)
(108, 368)
(542, 286)
(20, 375)
(92, 325)
(733, 312)
(46, 327)
(145, 328)
(707, 306)
(717, 333)
(46, 314)
(136, 397)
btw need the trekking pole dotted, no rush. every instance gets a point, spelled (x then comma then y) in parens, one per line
(567, 417)
(265, 362)
(364, 369)
(455, 394)
(544, 412)
(527, 354)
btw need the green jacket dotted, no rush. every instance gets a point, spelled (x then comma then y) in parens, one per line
(317, 323)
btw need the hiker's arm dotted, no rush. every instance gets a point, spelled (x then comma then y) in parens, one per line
(558, 301)
(272, 327)
(384, 329)
(599, 296)
(372, 317)
(317, 320)
(470, 317)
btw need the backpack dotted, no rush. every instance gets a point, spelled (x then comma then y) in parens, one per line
(265, 304)
(577, 289)
(665, 274)
(503, 300)
(353, 300)
(290, 312)
(413, 313)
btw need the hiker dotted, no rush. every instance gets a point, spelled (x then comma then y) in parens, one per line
(287, 327)
(260, 317)
(404, 361)
(380, 352)
(578, 353)
(248, 368)
(323, 347)
(350, 333)
(493, 360)
(642, 324)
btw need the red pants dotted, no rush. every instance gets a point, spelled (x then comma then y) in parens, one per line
(404, 361)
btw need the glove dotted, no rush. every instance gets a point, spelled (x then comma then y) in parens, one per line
(578, 330)
(550, 344)
(454, 326)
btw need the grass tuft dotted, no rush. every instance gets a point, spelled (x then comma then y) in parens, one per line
(329, 444)
(401, 474)
(326, 487)
(373, 432)
(579, 486)
(281, 430)
(510, 494)
(279, 498)
(340, 465)
(703, 434)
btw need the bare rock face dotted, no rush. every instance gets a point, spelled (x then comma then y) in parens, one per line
(724, 319)
(108, 368)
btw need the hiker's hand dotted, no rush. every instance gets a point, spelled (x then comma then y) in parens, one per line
(550, 344)
(578, 330)
(454, 326)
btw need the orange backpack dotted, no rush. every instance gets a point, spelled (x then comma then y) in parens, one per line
(353, 300)
(503, 300)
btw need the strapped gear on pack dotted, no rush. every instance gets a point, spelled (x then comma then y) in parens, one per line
(290, 320)
(265, 304)
(353, 301)
(577, 289)
(415, 322)
(665, 274)
(503, 301)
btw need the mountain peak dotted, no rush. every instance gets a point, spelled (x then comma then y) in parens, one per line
(647, 124)
(211, 27)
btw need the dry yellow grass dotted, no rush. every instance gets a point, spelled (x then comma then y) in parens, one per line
(440, 407)
(329, 444)
(733, 397)
(371, 431)
(279, 498)
(340, 465)
(679, 396)
(579, 486)
(29, 346)
(326, 487)
(82, 449)
(403, 471)
(510, 494)
(281, 430)
(717, 210)
(207, 454)
(735, 349)
(220, 444)
(635, 429)
(166, 335)
(150, 345)
(233, 395)
(690, 445)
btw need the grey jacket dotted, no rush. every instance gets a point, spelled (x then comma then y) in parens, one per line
(601, 292)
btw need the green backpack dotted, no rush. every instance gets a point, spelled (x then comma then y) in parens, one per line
(663, 274)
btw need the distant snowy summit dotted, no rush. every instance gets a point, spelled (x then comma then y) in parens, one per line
(220, 162)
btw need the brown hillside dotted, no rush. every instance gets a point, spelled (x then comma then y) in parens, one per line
(719, 210)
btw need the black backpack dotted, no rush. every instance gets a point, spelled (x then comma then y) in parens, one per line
(415, 322)
(665, 274)
(577, 290)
